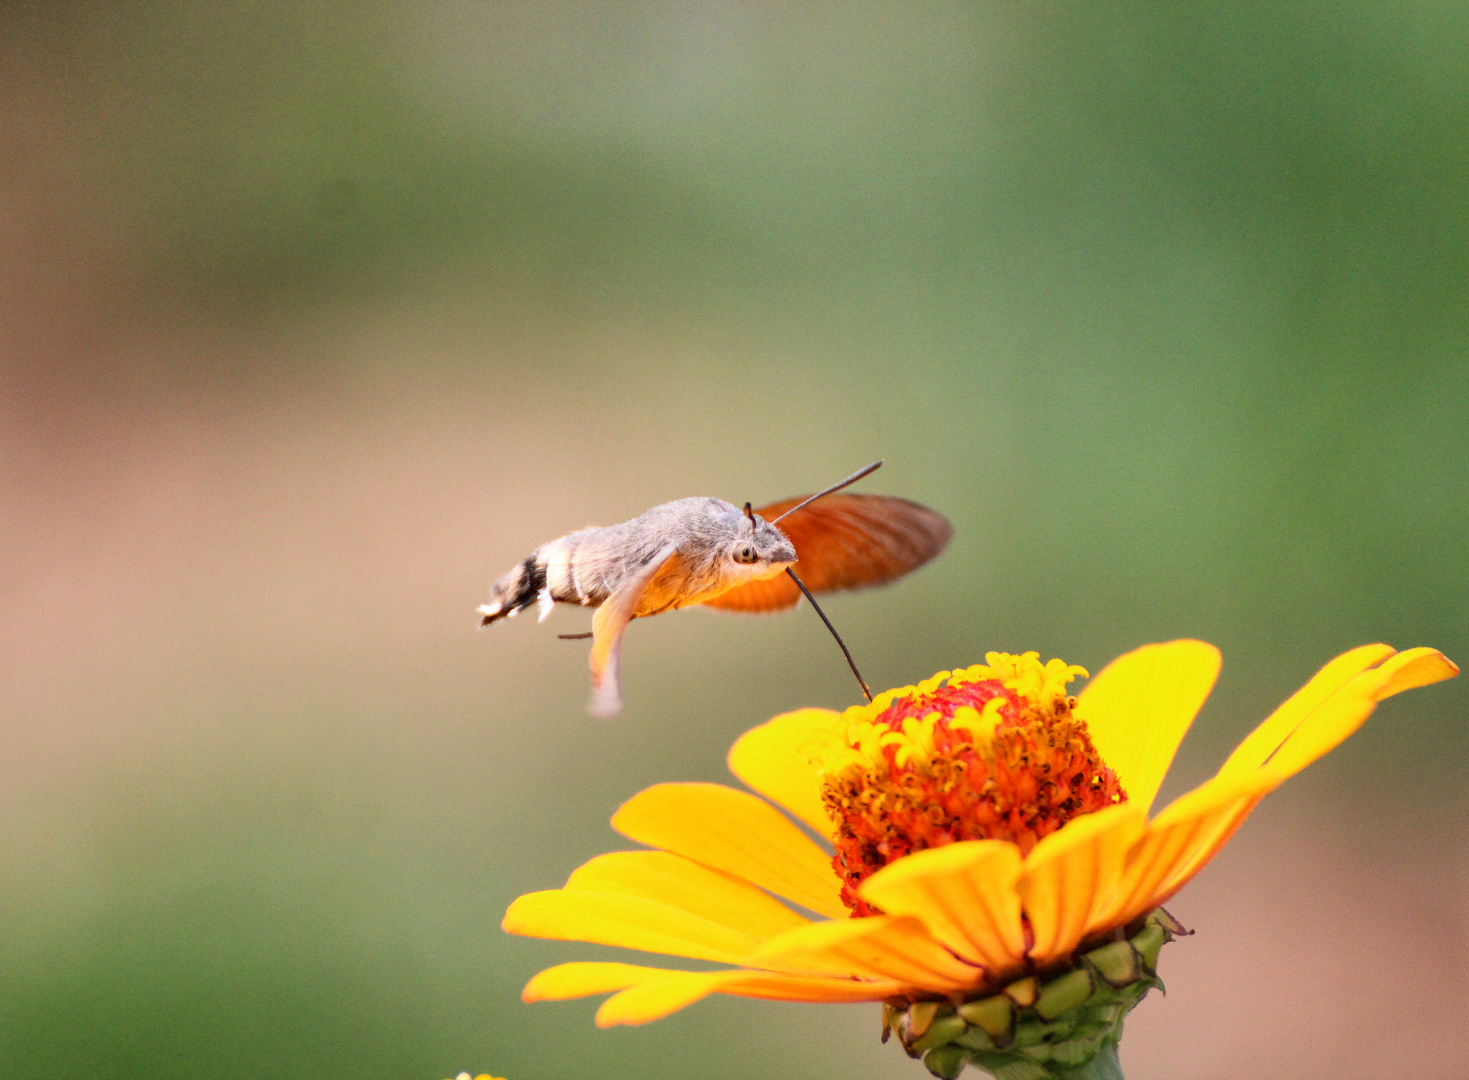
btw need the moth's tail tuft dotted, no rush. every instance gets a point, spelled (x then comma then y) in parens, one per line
(514, 592)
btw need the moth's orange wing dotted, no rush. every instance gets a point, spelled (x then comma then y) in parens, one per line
(844, 541)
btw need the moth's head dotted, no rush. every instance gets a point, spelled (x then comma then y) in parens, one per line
(760, 546)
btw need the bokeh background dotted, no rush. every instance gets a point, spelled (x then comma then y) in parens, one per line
(316, 317)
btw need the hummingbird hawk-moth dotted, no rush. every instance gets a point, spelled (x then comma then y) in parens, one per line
(707, 551)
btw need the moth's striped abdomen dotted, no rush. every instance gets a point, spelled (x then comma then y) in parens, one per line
(515, 591)
(548, 574)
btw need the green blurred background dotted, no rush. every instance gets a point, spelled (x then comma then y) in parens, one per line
(315, 318)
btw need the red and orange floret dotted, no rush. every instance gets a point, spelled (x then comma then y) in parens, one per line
(993, 752)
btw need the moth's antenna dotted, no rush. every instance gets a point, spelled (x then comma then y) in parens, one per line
(750, 513)
(802, 586)
(858, 475)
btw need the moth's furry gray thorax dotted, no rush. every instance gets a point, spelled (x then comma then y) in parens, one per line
(706, 533)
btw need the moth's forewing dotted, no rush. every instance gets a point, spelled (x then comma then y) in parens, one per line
(845, 541)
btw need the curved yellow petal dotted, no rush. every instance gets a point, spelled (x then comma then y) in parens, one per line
(690, 887)
(964, 894)
(1261, 743)
(735, 832)
(1139, 707)
(1349, 676)
(1068, 882)
(670, 990)
(1329, 725)
(654, 999)
(627, 921)
(1413, 668)
(773, 986)
(1333, 705)
(1182, 838)
(583, 979)
(772, 760)
(657, 998)
(1332, 722)
(878, 947)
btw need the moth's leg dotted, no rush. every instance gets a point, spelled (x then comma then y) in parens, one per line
(608, 625)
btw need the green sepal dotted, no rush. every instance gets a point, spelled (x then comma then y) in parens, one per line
(946, 1061)
(920, 1015)
(996, 1015)
(1075, 1052)
(1117, 963)
(1064, 994)
(976, 1038)
(1033, 1032)
(1148, 942)
(891, 1014)
(942, 1031)
(1159, 929)
(1023, 991)
(1175, 928)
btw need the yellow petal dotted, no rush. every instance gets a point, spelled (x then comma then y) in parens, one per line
(654, 999)
(686, 885)
(1139, 707)
(1192, 830)
(627, 921)
(1069, 880)
(1181, 839)
(735, 832)
(657, 998)
(1328, 726)
(1340, 715)
(1261, 743)
(776, 987)
(964, 894)
(771, 759)
(1413, 668)
(878, 947)
(582, 979)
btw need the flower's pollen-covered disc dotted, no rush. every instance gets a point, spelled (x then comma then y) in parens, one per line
(993, 752)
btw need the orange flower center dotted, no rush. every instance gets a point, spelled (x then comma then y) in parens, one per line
(996, 754)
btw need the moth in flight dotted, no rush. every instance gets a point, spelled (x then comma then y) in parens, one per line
(708, 551)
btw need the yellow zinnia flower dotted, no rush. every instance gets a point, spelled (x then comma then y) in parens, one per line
(992, 832)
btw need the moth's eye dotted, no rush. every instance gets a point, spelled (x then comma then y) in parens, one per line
(746, 554)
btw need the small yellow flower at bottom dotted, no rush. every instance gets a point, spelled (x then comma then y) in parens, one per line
(481, 1076)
